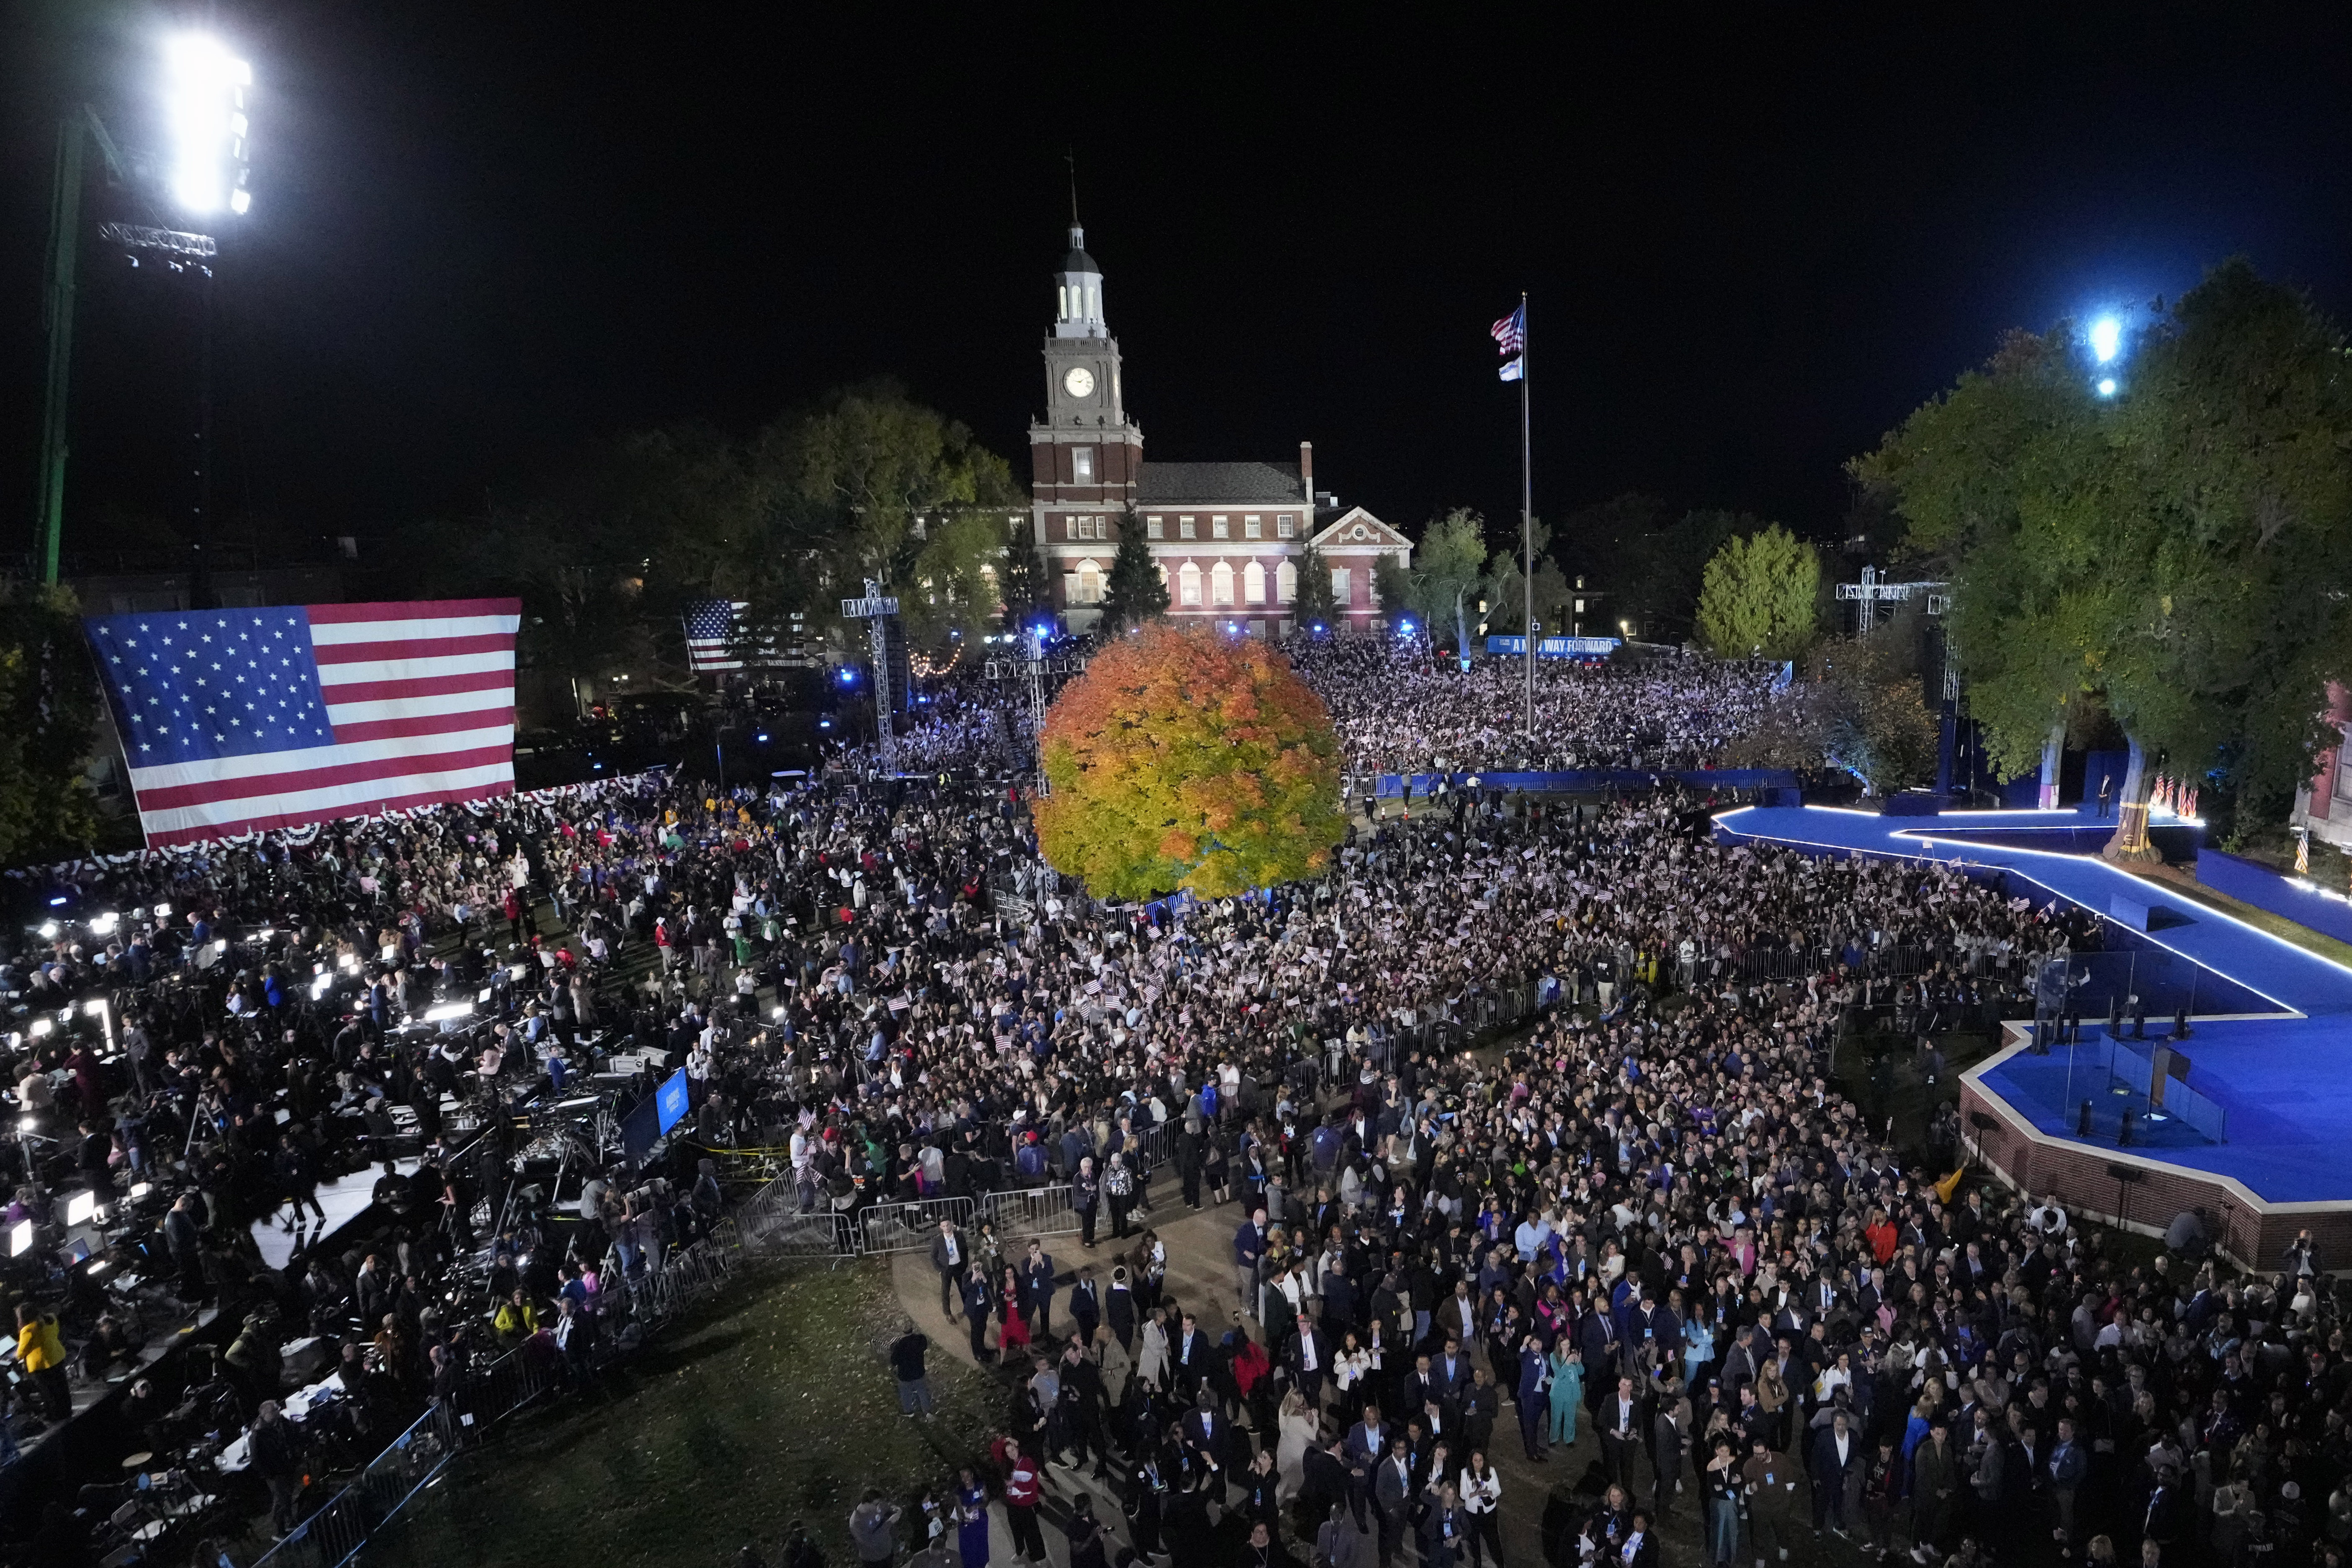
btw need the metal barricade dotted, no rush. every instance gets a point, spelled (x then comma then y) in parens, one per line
(1031, 1211)
(336, 1533)
(909, 1227)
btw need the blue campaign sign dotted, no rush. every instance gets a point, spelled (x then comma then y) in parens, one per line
(669, 1099)
(1554, 648)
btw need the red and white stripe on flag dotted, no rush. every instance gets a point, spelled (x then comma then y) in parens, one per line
(420, 700)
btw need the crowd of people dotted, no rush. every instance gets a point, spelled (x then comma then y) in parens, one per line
(1654, 1217)
(1401, 707)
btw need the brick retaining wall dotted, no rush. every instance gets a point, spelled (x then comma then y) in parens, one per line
(2252, 1233)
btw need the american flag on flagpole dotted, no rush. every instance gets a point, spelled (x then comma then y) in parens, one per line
(1510, 333)
(238, 720)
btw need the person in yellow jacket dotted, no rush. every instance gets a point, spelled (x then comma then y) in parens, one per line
(41, 1351)
(516, 1319)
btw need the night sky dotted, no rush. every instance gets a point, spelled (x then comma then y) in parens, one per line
(484, 236)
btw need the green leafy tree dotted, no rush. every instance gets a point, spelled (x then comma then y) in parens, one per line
(1183, 759)
(1647, 559)
(956, 575)
(1759, 595)
(1507, 597)
(1440, 587)
(2175, 557)
(49, 699)
(1022, 583)
(1316, 605)
(1135, 593)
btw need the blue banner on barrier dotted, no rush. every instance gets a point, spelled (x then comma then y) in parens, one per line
(1588, 781)
(1555, 647)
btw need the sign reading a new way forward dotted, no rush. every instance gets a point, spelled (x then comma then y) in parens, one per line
(1555, 647)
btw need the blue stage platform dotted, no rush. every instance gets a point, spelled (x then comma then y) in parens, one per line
(2283, 1076)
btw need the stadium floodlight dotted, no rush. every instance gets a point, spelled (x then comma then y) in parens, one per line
(2106, 338)
(2107, 386)
(205, 105)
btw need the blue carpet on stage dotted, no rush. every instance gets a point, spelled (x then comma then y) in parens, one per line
(2284, 1081)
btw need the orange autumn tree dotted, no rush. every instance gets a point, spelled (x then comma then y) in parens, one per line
(1182, 758)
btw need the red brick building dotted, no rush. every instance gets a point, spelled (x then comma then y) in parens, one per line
(1226, 536)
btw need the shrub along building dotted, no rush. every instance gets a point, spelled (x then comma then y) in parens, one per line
(1226, 537)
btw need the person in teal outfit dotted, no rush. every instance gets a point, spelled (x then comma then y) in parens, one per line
(1698, 1344)
(1567, 1390)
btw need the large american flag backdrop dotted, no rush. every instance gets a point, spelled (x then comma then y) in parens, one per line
(238, 720)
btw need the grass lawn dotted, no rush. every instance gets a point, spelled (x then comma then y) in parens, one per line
(774, 1404)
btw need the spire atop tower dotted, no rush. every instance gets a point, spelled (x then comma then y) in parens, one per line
(1070, 156)
(1078, 307)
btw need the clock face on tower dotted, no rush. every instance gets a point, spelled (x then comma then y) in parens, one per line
(1079, 382)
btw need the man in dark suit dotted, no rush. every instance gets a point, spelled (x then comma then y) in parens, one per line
(1392, 1495)
(1192, 1359)
(1205, 1435)
(1310, 1356)
(1624, 1423)
(1037, 1288)
(1342, 1308)
(1836, 1460)
(1368, 1439)
(979, 1303)
(1602, 1342)
(950, 1257)
(1086, 1306)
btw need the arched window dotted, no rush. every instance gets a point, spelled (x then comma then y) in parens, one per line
(1253, 583)
(1285, 584)
(1189, 578)
(1090, 584)
(1221, 583)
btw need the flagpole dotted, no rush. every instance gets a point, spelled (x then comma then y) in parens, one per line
(1527, 526)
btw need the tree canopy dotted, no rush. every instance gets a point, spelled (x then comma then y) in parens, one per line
(1135, 593)
(1440, 588)
(2176, 556)
(1316, 604)
(1760, 596)
(1184, 758)
(865, 483)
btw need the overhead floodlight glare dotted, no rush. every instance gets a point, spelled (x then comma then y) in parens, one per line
(2106, 338)
(204, 105)
(2107, 386)
(48, 931)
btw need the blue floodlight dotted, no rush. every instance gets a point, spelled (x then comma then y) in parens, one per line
(1404, 628)
(849, 676)
(2107, 386)
(825, 724)
(761, 739)
(2106, 338)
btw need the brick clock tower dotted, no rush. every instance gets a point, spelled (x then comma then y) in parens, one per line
(1085, 455)
(1225, 537)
